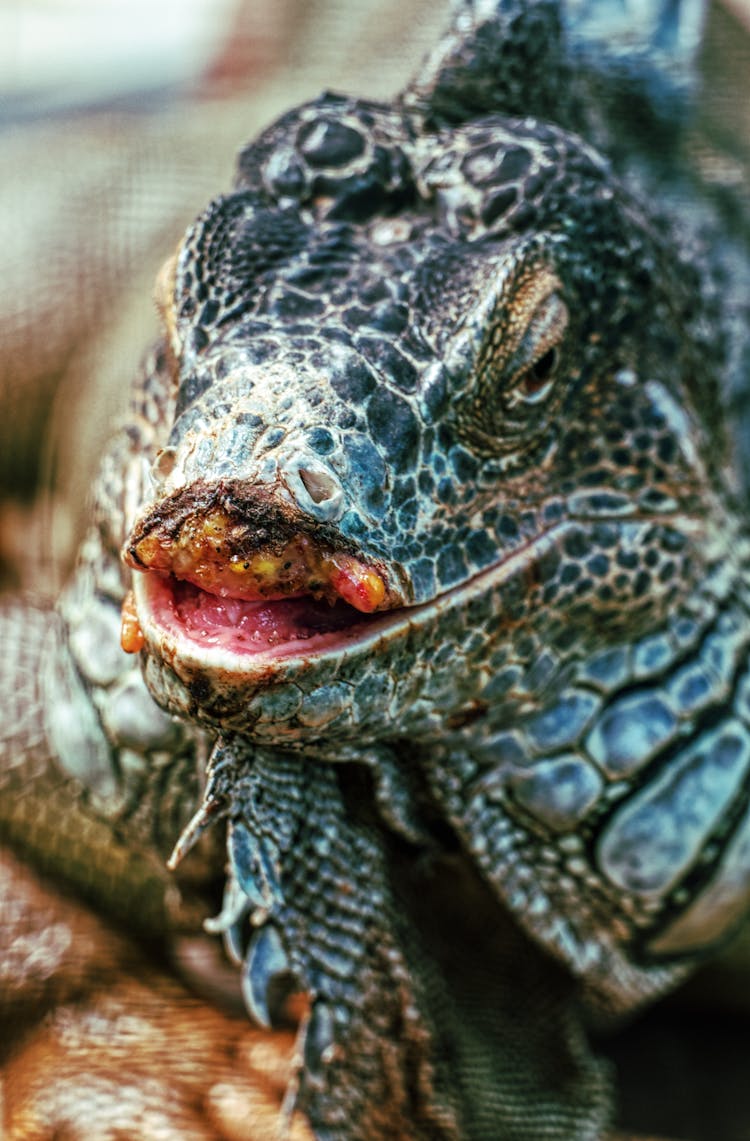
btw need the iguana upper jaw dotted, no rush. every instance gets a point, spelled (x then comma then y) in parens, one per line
(225, 558)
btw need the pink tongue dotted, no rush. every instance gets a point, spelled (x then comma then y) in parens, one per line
(255, 626)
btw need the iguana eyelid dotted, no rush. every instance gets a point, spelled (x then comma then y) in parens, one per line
(523, 325)
(542, 339)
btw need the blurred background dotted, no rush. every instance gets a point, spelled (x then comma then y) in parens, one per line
(119, 119)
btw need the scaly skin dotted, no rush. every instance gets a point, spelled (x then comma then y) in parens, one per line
(438, 364)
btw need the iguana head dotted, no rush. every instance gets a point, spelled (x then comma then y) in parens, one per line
(435, 395)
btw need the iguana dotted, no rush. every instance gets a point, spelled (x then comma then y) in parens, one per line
(434, 563)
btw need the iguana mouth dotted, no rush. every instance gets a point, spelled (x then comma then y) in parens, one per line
(280, 626)
(181, 621)
(206, 586)
(227, 573)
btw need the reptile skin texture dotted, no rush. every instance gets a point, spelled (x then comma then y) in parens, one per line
(431, 695)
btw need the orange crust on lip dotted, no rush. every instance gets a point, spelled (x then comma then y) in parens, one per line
(204, 552)
(131, 635)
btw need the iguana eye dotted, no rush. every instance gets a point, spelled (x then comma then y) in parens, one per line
(537, 357)
(524, 350)
(536, 382)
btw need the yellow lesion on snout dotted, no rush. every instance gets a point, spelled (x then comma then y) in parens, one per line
(216, 553)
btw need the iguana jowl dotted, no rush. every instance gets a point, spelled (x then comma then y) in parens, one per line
(427, 496)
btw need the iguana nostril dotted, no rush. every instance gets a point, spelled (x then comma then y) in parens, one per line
(319, 485)
(164, 463)
(315, 488)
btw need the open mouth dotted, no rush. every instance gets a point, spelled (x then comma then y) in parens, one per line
(209, 594)
(237, 626)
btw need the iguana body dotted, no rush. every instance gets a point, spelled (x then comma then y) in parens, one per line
(429, 498)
